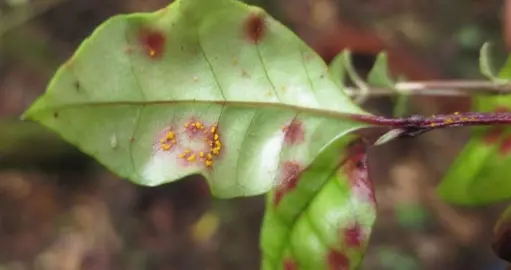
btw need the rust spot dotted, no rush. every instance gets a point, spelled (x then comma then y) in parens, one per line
(294, 132)
(353, 236)
(357, 171)
(55, 114)
(255, 28)
(289, 264)
(153, 42)
(289, 175)
(338, 261)
(132, 140)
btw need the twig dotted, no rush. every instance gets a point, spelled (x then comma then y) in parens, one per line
(438, 88)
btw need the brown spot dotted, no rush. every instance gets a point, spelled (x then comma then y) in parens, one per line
(56, 114)
(77, 85)
(289, 264)
(338, 261)
(289, 175)
(294, 133)
(353, 236)
(255, 28)
(234, 61)
(153, 42)
(505, 146)
(245, 74)
(132, 140)
(356, 169)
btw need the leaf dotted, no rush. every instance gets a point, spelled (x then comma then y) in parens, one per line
(337, 70)
(485, 65)
(321, 221)
(211, 87)
(379, 74)
(480, 173)
(502, 236)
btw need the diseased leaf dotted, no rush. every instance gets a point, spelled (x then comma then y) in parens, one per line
(318, 221)
(211, 87)
(480, 173)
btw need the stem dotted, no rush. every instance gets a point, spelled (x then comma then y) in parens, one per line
(416, 124)
(438, 88)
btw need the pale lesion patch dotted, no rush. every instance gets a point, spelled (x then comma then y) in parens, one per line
(194, 142)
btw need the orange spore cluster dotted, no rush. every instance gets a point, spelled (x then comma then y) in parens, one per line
(167, 142)
(451, 120)
(211, 138)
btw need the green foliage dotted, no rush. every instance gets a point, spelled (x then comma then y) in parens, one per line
(478, 175)
(219, 88)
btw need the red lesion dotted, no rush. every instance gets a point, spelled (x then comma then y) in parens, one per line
(290, 173)
(338, 260)
(152, 42)
(353, 235)
(289, 264)
(356, 169)
(294, 132)
(255, 28)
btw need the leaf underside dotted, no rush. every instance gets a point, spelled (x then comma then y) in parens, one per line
(217, 88)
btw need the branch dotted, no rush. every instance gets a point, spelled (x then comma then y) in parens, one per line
(438, 88)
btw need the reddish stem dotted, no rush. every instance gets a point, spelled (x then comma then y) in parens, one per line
(416, 124)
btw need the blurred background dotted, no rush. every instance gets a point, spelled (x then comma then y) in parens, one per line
(59, 209)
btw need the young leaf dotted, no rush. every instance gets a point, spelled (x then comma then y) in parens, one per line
(211, 87)
(337, 70)
(480, 173)
(321, 220)
(379, 75)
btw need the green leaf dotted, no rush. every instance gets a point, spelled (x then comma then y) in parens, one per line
(320, 221)
(485, 65)
(132, 92)
(379, 74)
(337, 70)
(480, 173)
